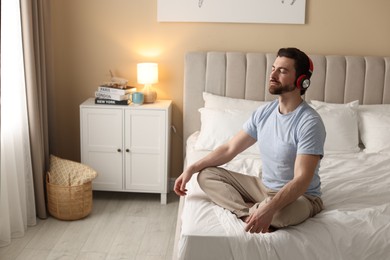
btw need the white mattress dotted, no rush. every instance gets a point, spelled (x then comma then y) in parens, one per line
(354, 225)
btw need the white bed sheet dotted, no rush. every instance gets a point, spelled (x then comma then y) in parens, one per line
(354, 225)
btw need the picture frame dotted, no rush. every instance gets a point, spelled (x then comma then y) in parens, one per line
(232, 11)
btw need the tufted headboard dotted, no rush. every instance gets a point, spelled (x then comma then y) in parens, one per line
(336, 79)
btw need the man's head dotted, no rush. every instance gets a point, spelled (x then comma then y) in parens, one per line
(292, 69)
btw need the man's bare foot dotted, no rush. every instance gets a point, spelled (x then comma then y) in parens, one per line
(271, 229)
(249, 204)
(244, 218)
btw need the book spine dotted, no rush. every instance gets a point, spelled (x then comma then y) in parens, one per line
(110, 101)
(107, 95)
(116, 91)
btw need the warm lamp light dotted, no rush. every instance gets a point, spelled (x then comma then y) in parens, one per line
(147, 74)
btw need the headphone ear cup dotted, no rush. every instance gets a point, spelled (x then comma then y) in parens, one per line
(305, 83)
(300, 80)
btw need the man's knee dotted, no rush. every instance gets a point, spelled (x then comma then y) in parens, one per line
(293, 214)
(207, 174)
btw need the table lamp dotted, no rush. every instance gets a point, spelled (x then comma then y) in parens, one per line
(147, 74)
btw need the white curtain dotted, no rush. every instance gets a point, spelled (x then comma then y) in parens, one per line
(17, 205)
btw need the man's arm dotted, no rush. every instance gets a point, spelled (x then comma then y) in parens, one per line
(219, 156)
(305, 166)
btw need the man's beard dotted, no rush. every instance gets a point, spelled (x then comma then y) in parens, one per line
(278, 89)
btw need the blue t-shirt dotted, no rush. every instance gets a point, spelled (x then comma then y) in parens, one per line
(281, 137)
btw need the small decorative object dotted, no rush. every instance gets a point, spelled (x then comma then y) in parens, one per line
(117, 82)
(137, 98)
(147, 74)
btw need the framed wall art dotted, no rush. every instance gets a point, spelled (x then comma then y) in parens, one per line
(232, 11)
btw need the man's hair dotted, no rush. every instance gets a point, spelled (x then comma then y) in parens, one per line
(302, 63)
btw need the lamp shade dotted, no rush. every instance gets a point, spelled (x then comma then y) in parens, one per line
(147, 73)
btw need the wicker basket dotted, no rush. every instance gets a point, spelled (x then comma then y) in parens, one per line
(69, 202)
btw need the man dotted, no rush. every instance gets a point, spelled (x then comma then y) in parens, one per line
(291, 138)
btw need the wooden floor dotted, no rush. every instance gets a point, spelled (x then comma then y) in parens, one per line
(121, 226)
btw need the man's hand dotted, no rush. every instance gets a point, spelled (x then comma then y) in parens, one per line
(180, 183)
(221, 155)
(260, 220)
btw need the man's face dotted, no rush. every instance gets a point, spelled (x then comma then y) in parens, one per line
(282, 78)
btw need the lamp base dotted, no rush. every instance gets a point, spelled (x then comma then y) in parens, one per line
(150, 95)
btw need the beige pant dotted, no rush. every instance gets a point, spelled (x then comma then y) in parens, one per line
(232, 191)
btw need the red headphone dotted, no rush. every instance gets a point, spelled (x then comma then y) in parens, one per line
(303, 81)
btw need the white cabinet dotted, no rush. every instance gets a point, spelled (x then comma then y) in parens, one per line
(128, 146)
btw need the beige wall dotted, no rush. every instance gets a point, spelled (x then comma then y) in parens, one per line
(89, 37)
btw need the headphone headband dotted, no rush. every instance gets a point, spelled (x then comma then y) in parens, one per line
(311, 67)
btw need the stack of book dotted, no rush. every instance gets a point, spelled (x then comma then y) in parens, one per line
(113, 94)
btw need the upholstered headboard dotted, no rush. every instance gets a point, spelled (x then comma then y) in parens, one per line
(336, 79)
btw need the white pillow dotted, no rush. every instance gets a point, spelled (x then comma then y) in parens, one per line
(374, 125)
(379, 108)
(341, 124)
(317, 104)
(219, 126)
(220, 102)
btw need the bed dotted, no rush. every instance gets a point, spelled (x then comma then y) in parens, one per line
(352, 95)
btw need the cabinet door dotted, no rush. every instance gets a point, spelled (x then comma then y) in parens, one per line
(145, 139)
(102, 146)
